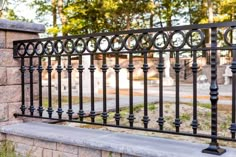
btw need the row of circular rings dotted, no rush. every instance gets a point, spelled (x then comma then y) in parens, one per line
(80, 45)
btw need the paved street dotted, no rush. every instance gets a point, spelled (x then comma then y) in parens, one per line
(153, 97)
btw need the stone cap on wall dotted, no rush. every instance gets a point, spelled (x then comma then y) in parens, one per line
(21, 26)
(134, 145)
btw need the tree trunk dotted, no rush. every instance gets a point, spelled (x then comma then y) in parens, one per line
(54, 15)
(169, 15)
(151, 20)
(128, 22)
(210, 16)
(62, 16)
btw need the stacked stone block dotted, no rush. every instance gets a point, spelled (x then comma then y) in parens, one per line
(10, 75)
(39, 148)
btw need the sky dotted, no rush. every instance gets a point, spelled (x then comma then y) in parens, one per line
(23, 9)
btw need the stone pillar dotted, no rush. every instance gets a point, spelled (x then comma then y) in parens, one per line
(10, 76)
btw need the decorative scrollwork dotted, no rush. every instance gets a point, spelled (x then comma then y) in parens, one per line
(59, 47)
(103, 44)
(195, 38)
(145, 41)
(91, 45)
(69, 46)
(177, 39)
(131, 42)
(160, 40)
(117, 43)
(80, 46)
(30, 49)
(49, 48)
(227, 36)
(21, 50)
(39, 48)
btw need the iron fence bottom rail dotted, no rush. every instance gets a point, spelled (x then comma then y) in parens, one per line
(133, 128)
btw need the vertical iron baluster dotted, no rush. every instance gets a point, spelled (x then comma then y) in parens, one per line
(92, 70)
(214, 146)
(185, 69)
(233, 67)
(69, 71)
(145, 71)
(131, 70)
(59, 70)
(81, 69)
(104, 89)
(161, 68)
(31, 71)
(177, 68)
(40, 70)
(22, 69)
(195, 70)
(49, 69)
(117, 70)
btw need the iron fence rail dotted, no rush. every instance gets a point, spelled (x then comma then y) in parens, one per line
(145, 41)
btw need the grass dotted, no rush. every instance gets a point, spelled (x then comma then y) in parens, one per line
(138, 107)
(185, 117)
(204, 105)
(7, 149)
(152, 107)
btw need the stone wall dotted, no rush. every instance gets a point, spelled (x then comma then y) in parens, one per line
(39, 148)
(50, 140)
(10, 76)
(220, 71)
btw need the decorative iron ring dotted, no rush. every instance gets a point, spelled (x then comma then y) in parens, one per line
(36, 51)
(18, 48)
(45, 47)
(188, 35)
(149, 41)
(136, 42)
(65, 47)
(56, 47)
(84, 46)
(28, 51)
(226, 34)
(165, 43)
(99, 44)
(171, 39)
(122, 43)
(87, 47)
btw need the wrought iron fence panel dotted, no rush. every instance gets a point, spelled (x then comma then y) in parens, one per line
(174, 40)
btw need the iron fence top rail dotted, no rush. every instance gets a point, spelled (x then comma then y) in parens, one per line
(174, 28)
(178, 38)
(131, 51)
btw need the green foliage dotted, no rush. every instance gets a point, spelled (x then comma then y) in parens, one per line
(226, 11)
(104, 15)
(53, 30)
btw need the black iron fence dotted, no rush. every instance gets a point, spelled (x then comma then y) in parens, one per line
(158, 41)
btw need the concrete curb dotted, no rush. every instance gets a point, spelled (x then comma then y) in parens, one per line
(21, 26)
